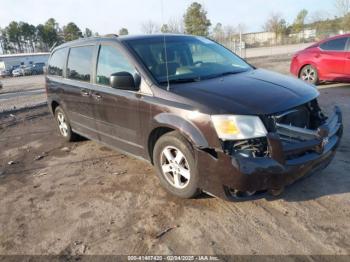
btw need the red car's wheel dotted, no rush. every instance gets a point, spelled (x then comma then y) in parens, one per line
(309, 74)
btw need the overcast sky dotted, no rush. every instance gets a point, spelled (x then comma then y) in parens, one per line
(108, 16)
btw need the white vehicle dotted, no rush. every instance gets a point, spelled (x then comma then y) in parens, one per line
(4, 73)
(17, 72)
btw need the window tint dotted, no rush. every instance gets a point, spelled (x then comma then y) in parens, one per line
(186, 58)
(335, 45)
(57, 62)
(201, 53)
(110, 61)
(79, 63)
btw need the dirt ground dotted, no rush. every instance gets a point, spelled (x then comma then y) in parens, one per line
(22, 92)
(83, 198)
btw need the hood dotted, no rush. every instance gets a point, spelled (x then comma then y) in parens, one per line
(256, 92)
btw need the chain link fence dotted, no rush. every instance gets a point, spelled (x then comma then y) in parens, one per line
(268, 43)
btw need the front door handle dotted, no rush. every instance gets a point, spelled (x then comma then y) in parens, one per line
(84, 92)
(97, 96)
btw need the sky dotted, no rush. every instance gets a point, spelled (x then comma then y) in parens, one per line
(108, 16)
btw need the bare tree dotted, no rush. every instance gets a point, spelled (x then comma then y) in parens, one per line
(317, 16)
(218, 32)
(342, 7)
(276, 24)
(241, 28)
(230, 32)
(176, 26)
(272, 22)
(149, 27)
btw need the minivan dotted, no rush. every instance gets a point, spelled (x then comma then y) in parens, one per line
(207, 120)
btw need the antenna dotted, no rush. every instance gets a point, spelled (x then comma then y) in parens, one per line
(165, 50)
(53, 46)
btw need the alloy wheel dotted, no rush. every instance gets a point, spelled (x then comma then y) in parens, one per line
(62, 124)
(175, 167)
(308, 74)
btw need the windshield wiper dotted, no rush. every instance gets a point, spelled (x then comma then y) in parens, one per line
(225, 74)
(180, 80)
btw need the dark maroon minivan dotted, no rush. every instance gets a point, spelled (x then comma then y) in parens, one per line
(206, 119)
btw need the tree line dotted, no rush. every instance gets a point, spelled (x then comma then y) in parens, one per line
(20, 37)
(195, 21)
(319, 21)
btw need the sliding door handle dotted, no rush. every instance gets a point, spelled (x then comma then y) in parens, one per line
(97, 96)
(84, 92)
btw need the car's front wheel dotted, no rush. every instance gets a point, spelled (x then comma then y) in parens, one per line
(309, 74)
(174, 159)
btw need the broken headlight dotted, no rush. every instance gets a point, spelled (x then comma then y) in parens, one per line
(238, 127)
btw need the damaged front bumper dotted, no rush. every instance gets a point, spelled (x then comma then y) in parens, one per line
(224, 174)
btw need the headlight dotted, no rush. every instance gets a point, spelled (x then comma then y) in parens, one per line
(237, 127)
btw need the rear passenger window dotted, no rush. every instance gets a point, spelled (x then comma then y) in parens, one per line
(79, 63)
(57, 62)
(335, 45)
(110, 61)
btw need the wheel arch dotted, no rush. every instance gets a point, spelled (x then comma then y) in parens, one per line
(167, 122)
(54, 104)
(307, 64)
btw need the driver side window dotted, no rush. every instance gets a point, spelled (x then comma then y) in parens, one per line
(111, 61)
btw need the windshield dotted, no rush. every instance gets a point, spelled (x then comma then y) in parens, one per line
(186, 58)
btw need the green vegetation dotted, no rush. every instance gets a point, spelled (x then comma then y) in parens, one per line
(196, 21)
(71, 32)
(19, 37)
(123, 31)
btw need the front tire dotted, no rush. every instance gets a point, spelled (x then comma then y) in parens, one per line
(175, 161)
(64, 126)
(309, 74)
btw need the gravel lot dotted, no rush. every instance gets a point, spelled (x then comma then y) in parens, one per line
(22, 92)
(83, 198)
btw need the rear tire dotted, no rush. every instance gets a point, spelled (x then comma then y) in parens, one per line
(309, 74)
(175, 161)
(64, 126)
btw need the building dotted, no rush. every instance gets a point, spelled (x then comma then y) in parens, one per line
(7, 61)
(259, 39)
(305, 34)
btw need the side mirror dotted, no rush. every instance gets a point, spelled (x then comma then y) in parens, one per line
(122, 80)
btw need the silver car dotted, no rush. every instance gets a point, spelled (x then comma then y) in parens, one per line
(17, 72)
(4, 73)
(27, 70)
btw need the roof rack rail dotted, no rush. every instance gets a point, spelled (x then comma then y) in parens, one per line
(111, 35)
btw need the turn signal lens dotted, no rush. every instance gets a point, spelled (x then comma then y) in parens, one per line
(238, 127)
(227, 127)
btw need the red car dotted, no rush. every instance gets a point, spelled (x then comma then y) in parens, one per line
(327, 60)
